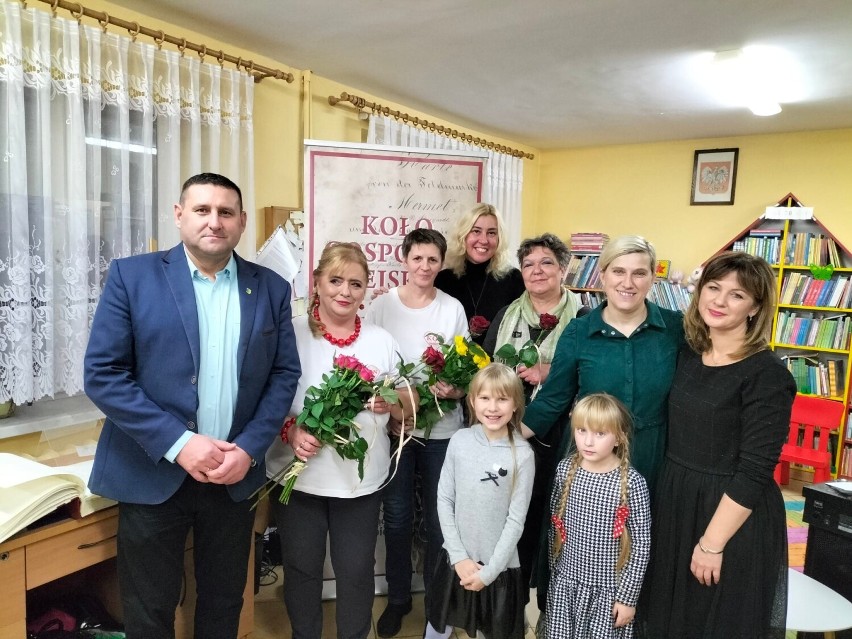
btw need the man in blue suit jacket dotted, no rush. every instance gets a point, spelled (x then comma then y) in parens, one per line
(193, 360)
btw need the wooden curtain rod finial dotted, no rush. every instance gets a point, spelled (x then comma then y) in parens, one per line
(333, 100)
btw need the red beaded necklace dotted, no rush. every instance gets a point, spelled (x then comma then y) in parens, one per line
(336, 340)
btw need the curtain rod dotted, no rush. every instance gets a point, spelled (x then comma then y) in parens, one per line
(360, 103)
(258, 71)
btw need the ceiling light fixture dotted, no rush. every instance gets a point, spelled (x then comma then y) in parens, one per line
(751, 77)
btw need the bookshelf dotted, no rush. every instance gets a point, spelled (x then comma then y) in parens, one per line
(812, 328)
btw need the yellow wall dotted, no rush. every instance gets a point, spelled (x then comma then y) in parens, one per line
(286, 114)
(645, 189)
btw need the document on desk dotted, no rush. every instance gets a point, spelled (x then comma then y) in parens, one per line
(30, 490)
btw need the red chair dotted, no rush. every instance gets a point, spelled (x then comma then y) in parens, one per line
(810, 415)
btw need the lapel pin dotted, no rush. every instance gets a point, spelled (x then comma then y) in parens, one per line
(248, 291)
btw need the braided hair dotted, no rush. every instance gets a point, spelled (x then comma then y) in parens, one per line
(604, 413)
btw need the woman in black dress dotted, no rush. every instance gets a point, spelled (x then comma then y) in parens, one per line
(719, 551)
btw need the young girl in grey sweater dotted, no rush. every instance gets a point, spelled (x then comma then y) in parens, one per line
(483, 495)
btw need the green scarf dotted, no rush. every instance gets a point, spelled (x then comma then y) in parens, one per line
(520, 315)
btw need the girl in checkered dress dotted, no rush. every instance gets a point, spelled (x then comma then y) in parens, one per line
(600, 530)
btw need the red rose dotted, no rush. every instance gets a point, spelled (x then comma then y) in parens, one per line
(434, 359)
(478, 325)
(348, 362)
(547, 322)
(366, 374)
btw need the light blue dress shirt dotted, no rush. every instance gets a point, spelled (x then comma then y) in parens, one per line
(218, 305)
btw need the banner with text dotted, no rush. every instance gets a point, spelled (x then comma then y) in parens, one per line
(374, 195)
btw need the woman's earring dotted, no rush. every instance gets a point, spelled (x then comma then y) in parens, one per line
(361, 307)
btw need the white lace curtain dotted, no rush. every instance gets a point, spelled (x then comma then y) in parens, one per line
(504, 178)
(97, 133)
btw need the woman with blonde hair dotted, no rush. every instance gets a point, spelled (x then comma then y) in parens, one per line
(479, 270)
(719, 554)
(330, 500)
(626, 347)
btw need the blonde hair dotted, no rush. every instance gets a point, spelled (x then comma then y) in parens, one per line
(626, 245)
(456, 260)
(504, 382)
(601, 413)
(756, 278)
(335, 257)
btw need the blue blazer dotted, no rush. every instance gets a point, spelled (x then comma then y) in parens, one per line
(141, 370)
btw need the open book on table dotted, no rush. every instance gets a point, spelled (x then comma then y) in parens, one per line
(30, 490)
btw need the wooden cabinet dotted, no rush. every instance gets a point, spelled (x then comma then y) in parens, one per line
(812, 328)
(41, 557)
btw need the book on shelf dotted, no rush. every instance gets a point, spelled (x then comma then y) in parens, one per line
(588, 242)
(813, 292)
(804, 249)
(825, 294)
(801, 285)
(837, 291)
(765, 243)
(29, 490)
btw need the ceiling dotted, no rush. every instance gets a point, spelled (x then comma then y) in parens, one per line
(551, 73)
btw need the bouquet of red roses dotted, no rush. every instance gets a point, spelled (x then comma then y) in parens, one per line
(453, 363)
(328, 414)
(528, 355)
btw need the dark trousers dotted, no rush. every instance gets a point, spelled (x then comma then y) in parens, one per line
(426, 459)
(351, 526)
(151, 541)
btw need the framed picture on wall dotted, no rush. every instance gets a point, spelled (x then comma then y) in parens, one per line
(714, 176)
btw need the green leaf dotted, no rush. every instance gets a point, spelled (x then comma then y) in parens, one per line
(529, 355)
(312, 423)
(506, 351)
(389, 395)
(316, 409)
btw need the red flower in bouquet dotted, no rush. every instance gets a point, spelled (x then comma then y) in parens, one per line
(454, 363)
(328, 414)
(478, 325)
(548, 322)
(434, 359)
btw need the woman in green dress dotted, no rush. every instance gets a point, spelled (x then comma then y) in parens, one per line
(626, 347)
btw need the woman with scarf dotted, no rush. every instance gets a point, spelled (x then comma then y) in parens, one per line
(539, 315)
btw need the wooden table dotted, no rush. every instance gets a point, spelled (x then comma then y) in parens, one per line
(36, 558)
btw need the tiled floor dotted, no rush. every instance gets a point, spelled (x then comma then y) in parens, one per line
(271, 622)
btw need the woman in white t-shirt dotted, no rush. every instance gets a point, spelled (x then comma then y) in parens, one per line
(415, 313)
(329, 500)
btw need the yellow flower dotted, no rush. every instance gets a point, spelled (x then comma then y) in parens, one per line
(481, 362)
(461, 347)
